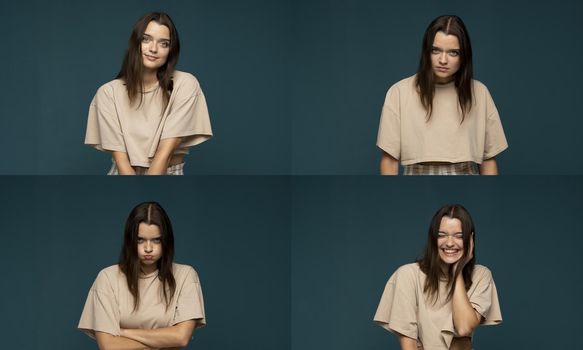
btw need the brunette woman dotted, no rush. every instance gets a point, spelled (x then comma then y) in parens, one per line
(151, 113)
(146, 301)
(437, 302)
(441, 121)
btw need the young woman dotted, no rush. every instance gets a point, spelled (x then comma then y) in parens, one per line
(440, 121)
(151, 113)
(145, 301)
(438, 301)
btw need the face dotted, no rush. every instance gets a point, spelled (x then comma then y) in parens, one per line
(149, 246)
(155, 45)
(450, 241)
(445, 57)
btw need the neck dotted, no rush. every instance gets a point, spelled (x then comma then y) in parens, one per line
(150, 78)
(148, 269)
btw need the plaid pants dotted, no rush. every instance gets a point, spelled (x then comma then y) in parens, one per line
(177, 169)
(464, 168)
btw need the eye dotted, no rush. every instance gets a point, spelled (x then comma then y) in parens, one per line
(441, 235)
(435, 51)
(146, 39)
(157, 240)
(165, 44)
(140, 240)
(458, 236)
(454, 53)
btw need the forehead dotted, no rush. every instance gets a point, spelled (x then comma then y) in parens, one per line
(450, 225)
(446, 41)
(157, 31)
(148, 231)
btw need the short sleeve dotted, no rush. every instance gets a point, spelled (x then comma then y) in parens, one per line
(389, 135)
(188, 116)
(190, 303)
(101, 311)
(484, 297)
(495, 139)
(103, 126)
(397, 310)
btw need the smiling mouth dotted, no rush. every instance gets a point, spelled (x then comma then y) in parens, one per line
(450, 251)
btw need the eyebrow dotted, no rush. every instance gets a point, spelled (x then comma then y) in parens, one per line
(163, 39)
(150, 238)
(440, 49)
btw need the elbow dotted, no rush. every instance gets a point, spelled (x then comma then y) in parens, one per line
(465, 331)
(183, 342)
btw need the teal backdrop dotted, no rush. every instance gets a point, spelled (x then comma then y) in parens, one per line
(59, 232)
(350, 234)
(293, 86)
(61, 51)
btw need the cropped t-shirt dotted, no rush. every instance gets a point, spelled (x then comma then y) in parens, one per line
(110, 305)
(407, 135)
(115, 125)
(403, 308)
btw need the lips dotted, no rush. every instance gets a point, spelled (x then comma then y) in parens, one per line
(450, 252)
(150, 58)
(442, 69)
(148, 257)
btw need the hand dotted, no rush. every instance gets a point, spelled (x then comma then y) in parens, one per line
(470, 254)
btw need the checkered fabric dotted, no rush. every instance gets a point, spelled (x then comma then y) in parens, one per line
(464, 168)
(177, 169)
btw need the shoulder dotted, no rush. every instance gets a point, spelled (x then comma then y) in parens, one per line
(185, 80)
(481, 272)
(184, 272)
(407, 272)
(480, 88)
(404, 84)
(106, 277)
(109, 89)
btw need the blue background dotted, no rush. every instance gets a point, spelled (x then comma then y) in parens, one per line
(293, 87)
(59, 52)
(59, 232)
(347, 53)
(350, 234)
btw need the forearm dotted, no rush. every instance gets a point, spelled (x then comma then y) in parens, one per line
(489, 167)
(407, 343)
(168, 337)
(465, 318)
(122, 162)
(389, 165)
(107, 341)
(159, 164)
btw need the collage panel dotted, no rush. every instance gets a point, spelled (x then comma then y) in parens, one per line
(59, 233)
(350, 235)
(353, 90)
(66, 57)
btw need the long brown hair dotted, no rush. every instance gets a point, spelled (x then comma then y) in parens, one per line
(430, 262)
(425, 79)
(132, 68)
(150, 213)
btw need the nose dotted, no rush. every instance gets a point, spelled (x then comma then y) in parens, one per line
(443, 58)
(152, 47)
(148, 247)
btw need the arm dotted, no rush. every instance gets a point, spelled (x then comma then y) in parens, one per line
(489, 167)
(163, 155)
(389, 165)
(465, 317)
(106, 341)
(175, 336)
(407, 343)
(123, 163)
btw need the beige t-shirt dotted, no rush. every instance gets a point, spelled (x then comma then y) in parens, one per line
(114, 125)
(403, 308)
(110, 304)
(405, 133)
